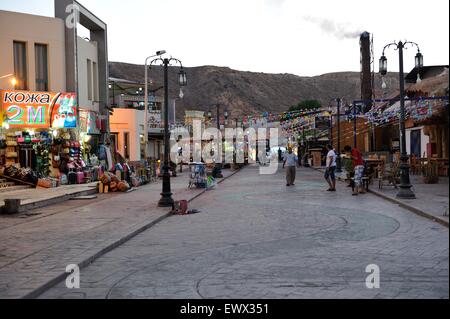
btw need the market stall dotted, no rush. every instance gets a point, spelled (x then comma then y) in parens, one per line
(40, 142)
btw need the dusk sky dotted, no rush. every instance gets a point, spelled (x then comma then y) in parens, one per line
(274, 36)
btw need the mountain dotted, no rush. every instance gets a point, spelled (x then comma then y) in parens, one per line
(250, 93)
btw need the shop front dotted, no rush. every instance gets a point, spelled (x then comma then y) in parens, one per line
(40, 141)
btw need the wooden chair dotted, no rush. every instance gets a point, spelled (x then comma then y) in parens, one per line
(443, 168)
(388, 173)
(414, 165)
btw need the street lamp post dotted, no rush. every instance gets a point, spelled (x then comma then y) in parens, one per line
(405, 184)
(235, 141)
(166, 195)
(330, 125)
(353, 108)
(218, 166)
(158, 53)
(338, 155)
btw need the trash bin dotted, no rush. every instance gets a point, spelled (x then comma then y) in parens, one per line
(12, 206)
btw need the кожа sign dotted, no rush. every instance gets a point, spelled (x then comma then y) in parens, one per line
(25, 109)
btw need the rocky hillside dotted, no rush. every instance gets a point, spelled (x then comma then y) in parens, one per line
(247, 93)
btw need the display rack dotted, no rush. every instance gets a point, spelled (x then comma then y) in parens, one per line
(197, 175)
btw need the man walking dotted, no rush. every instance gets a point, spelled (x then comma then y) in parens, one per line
(330, 177)
(358, 168)
(289, 161)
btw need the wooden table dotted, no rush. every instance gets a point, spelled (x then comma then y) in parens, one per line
(439, 160)
(442, 165)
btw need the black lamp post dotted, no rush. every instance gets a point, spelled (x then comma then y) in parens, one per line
(218, 166)
(405, 185)
(235, 141)
(330, 124)
(166, 195)
(349, 109)
(338, 155)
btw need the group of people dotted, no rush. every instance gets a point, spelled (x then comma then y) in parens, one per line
(290, 160)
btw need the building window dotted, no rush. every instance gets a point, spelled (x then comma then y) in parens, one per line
(95, 75)
(41, 58)
(89, 79)
(20, 65)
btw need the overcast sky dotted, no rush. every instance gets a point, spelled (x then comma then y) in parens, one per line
(275, 36)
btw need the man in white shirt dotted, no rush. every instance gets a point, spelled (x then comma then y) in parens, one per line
(290, 160)
(330, 169)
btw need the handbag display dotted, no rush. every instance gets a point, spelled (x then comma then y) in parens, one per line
(72, 177)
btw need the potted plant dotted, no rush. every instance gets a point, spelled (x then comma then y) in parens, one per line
(430, 173)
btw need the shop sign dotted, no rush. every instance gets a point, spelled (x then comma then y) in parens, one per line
(25, 109)
(89, 122)
(154, 119)
(64, 111)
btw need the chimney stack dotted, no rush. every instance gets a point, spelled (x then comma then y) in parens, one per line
(366, 72)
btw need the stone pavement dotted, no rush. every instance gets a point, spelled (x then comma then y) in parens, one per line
(431, 199)
(35, 249)
(256, 238)
(39, 197)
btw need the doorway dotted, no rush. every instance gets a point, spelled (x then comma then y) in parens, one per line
(126, 144)
(415, 143)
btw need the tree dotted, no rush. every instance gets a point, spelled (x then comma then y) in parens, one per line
(305, 105)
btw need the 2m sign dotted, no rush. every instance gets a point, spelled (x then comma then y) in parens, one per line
(29, 116)
(26, 109)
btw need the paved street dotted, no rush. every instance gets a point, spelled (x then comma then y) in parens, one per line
(430, 198)
(36, 246)
(256, 238)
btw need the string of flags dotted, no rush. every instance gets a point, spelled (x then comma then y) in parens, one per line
(292, 123)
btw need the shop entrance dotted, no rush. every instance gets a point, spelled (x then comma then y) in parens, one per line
(415, 143)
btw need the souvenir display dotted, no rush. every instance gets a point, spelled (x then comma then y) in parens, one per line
(40, 133)
(110, 182)
(197, 175)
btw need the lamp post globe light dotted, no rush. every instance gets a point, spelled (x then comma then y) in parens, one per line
(166, 195)
(405, 185)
